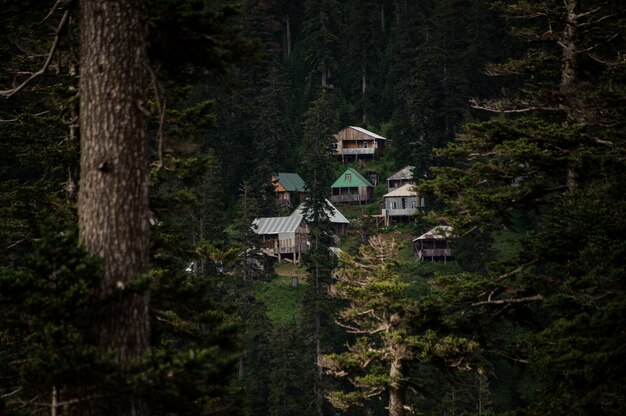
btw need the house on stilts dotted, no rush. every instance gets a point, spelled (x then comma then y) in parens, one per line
(434, 245)
(284, 237)
(355, 143)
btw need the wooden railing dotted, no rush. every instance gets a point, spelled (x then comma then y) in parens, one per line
(436, 252)
(399, 212)
(347, 198)
(357, 151)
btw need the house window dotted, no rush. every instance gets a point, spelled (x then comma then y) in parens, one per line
(393, 204)
(348, 177)
(365, 145)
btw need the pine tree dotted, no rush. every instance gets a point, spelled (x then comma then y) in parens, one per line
(392, 329)
(321, 33)
(362, 50)
(113, 189)
(318, 161)
(114, 375)
(540, 175)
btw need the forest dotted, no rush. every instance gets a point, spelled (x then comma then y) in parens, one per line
(142, 147)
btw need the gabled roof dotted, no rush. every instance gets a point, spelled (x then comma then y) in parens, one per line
(440, 232)
(404, 190)
(277, 225)
(404, 173)
(336, 217)
(292, 182)
(369, 133)
(356, 180)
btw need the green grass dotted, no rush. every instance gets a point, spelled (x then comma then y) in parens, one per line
(281, 298)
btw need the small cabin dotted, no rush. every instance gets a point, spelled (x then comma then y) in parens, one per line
(351, 186)
(354, 143)
(337, 219)
(289, 187)
(400, 178)
(434, 245)
(401, 204)
(284, 237)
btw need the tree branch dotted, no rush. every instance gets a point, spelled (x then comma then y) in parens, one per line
(509, 301)
(162, 105)
(499, 106)
(11, 393)
(44, 68)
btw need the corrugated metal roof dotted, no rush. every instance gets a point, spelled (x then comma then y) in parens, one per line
(356, 180)
(404, 173)
(404, 190)
(277, 225)
(369, 133)
(291, 181)
(440, 232)
(336, 217)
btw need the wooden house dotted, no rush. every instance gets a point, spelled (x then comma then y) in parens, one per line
(351, 186)
(337, 219)
(434, 245)
(401, 177)
(284, 237)
(289, 187)
(354, 143)
(401, 203)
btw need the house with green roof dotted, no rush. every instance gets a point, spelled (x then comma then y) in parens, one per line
(351, 186)
(289, 188)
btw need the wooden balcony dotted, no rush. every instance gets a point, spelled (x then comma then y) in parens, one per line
(348, 198)
(406, 212)
(434, 252)
(357, 151)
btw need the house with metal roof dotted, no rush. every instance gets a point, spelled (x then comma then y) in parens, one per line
(351, 186)
(337, 219)
(434, 244)
(401, 177)
(401, 203)
(284, 237)
(354, 143)
(289, 188)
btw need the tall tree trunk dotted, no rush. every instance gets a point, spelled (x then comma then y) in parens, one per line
(364, 91)
(286, 37)
(568, 77)
(113, 192)
(318, 345)
(382, 16)
(397, 392)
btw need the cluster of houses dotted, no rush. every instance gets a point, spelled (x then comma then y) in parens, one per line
(286, 237)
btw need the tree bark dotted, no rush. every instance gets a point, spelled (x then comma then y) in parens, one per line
(113, 191)
(318, 345)
(397, 392)
(286, 37)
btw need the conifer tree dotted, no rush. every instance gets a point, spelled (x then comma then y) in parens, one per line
(118, 372)
(362, 50)
(113, 189)
(318, 162)
(392, 329)
(321, 34)
(539, 171)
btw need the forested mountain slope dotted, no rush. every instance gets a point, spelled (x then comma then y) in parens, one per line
(512, 113)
